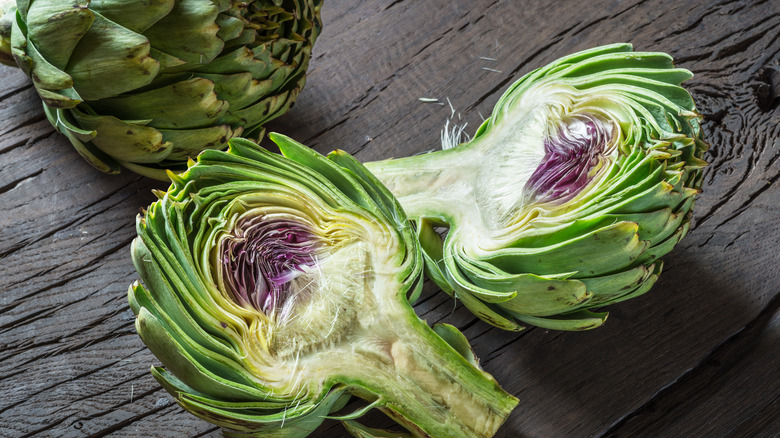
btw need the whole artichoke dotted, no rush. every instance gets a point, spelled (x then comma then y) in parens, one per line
(584, 175)
(145, 84)
(276, 288)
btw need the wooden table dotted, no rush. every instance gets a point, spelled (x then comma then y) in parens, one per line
(698, 356)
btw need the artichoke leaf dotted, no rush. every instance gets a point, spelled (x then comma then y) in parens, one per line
(47, 76)
(78, 138)
(534, 295)
(606, 287)
(136, 15)
(188, 32)
(60, 99)
(644, 287)
(486, 312)
(188, 104)
(240, 89)
(188, 143)
(606, 250)
(124, 140)
(229, 27)
(578, 321)
(358, 430)
(457, 340)
(290, 423)
(57, 26)
(265, 110)
(110, 60)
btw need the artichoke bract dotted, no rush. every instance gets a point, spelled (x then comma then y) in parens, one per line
(564, 200)
(276, 288)
(146, 84)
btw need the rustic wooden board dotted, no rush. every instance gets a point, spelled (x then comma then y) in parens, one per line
(697, 356)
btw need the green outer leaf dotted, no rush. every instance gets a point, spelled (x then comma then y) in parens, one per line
(264, 110)
(188, 32)
(110, 60)
(491, 314)
(457, 340)
(78, 137)
(578, 321)
(432, 247)
(655, 270)
(298, 421)
(45, 75)
(125, 141)
(535, 295)
(357, 430)
(606, 250)
(188, 143)
(56, 27)
(189, 104)
(134, 15)
(607, 286)
(170, 352)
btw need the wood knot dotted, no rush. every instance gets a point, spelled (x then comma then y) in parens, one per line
(767, 88)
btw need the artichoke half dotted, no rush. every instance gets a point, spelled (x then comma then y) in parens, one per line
(277, 288)
(146, 84)
(584, 175)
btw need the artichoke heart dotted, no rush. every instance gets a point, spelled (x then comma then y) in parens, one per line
(565, 198)
(275, 288)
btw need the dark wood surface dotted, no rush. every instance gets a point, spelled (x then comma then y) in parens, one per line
(698, 356)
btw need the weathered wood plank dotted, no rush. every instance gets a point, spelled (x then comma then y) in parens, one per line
(741, 373)
(697, 356)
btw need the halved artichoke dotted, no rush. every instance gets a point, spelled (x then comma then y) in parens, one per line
(147, 84)
(276, 288)
(584, 175)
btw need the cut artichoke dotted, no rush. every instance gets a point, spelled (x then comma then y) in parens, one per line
(584, 175)
(276, 288)
(146, 84)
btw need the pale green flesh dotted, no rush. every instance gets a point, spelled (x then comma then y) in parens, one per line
(427, 383)
(477, 188)
(381, 348)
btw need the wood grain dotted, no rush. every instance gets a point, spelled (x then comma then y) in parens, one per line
(698, 356)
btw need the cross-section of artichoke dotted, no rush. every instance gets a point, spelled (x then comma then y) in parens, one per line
(145, 84)
(275, 288)
(584, 175)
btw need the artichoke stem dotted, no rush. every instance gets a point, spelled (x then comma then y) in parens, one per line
(433, 182)
(434, 391)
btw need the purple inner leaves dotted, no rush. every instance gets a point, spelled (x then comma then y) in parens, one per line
(262, 257)
(569, 156)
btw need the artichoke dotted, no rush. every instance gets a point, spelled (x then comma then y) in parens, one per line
(145, 84)
(584, 175)
(276, 288)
